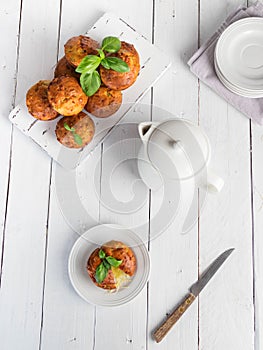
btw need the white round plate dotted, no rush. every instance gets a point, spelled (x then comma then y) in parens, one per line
(233, 88)
(80, 253)
(239, 54)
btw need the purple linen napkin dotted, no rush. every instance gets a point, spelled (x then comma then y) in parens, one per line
(202, 65)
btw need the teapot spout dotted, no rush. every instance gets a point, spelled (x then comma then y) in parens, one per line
(145, 130)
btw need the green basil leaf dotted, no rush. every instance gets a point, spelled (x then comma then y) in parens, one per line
(102, 54)
(113, 262)
(106, 264)
(88, 64)
(117, 64)
(111, 44)
(105, 64)
(102, 254)
(67, 127)
(77, 139)
(101, 273)
(90, 82)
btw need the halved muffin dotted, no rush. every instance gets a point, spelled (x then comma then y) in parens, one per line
(66, 95)
(37, 101)
(120, 81)
(116, 276)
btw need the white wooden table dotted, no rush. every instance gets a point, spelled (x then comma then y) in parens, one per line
(38, 307)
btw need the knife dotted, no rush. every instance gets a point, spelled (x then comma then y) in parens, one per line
(196, 288)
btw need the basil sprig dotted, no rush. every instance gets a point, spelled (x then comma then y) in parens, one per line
(111, 44)
(116, 64)
(90, 79)
(88, 64)
(90, 82)
(77, 137)
(105, 266)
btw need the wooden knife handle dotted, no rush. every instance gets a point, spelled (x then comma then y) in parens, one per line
(161, 332)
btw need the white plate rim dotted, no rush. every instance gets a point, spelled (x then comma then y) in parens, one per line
(227, 31)
(232, 88)
(141, 285)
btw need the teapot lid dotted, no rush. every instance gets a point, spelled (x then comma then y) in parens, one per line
(178, 149)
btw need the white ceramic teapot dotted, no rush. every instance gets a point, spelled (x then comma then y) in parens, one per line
(175, 149)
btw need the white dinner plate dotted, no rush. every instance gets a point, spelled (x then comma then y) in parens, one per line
(80, 253)
(233, 88)
(239, 54)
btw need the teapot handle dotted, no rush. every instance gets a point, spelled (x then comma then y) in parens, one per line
(214, 183)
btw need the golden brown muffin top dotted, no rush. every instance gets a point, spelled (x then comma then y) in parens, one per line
(37, 101)
(121, 81)
(78, 47)
(66, 95)
(64, 68)
(104, 102)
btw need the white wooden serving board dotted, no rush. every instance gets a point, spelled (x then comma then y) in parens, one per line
(153, 64)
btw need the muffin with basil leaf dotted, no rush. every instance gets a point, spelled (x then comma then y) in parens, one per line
(112, 266)
(75, 131)
(116, 65)
(78, 47)
(116, 77)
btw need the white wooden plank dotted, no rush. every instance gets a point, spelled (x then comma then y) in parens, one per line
(256, 140)
(23, 263)
(257, 147)
(174, 256)
(226, 219)
(68, 321)
(9, 22)
(127, 324)
(225, 223)
(71, 323)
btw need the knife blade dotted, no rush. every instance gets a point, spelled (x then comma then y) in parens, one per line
(210, 272)
(195, 289)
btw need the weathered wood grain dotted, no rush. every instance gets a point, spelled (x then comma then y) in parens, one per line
(9, 21)
(174, 256)
(257, 197)
(128, 321)
(25, 230)
(38, 306)
(226, 219)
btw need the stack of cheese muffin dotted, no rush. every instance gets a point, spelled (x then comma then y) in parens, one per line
(47, 100)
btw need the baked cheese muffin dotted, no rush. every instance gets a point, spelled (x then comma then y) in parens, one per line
(64, 68)
(37, 101)
(121, 81)
(104, 102)
(66, 95)
(116, 276)
(78, 47)
(81, 131)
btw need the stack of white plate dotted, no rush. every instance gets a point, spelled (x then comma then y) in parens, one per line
(239, 57)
